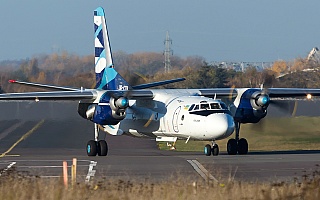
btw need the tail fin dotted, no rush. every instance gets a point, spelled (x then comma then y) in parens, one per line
(107, 77)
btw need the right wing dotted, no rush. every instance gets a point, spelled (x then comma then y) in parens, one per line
(61, 95)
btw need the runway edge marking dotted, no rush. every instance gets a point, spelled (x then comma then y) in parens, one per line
(201, 170)
(23, 137)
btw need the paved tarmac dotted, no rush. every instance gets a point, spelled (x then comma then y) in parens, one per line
(36, 137)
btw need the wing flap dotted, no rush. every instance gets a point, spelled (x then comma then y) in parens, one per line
(132, 94)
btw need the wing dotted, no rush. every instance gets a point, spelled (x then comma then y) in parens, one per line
(272, 92)
(219, 92)
(155, 84)
(292, 92)
(61, 95)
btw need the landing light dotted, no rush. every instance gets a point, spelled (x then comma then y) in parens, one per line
(309, 96)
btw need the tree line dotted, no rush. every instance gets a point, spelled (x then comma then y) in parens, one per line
(78, 71)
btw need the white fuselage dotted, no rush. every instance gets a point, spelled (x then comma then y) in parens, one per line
(178, 115)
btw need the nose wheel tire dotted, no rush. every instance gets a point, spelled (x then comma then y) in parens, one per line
(215, 150)
(207, 150)
(92, 149)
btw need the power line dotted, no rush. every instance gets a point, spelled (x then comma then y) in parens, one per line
(167, 53)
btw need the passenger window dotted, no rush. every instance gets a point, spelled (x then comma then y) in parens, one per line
(204, 106)
(182, 118)
(197, 107)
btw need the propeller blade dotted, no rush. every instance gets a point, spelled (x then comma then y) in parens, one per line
(285, 106)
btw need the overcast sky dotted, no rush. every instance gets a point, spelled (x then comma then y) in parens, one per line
(232, 30)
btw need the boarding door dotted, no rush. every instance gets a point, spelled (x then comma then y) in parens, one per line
(175, 119)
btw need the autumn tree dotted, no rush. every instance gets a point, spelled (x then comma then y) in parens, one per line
(280, 67)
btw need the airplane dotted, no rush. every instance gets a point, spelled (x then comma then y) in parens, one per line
(118, 108)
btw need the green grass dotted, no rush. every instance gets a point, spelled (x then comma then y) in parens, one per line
(272, 134)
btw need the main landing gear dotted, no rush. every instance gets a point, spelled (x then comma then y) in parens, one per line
(237, 145)
(214, 149)
(95, 147)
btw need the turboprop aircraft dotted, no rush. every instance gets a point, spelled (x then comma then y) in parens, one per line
(165, 114)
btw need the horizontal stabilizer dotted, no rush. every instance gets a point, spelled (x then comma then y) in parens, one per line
(44, 86)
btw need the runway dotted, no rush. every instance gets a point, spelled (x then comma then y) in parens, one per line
(36, 137)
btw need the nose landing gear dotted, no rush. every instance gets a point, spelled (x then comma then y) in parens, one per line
(214, 149)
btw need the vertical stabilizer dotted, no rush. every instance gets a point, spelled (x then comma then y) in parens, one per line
(107, 77)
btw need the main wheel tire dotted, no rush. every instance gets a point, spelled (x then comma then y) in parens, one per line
(242, 146)
(102, 148)
(92, 148)
(215, 150)
(232, 147)
(207, 150)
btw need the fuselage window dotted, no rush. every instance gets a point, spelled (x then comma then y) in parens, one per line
(215, 106)
(204, 106)
(182, 118)
(191, 107)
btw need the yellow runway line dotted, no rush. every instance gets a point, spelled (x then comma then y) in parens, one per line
(23, 137)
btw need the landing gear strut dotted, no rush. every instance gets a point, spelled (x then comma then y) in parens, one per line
(95, 147)
(214, 150)
(237, 145)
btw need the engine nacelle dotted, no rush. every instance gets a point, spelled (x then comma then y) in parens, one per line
(99, 114)
(260, 101)
(110, 111)
(252, 106)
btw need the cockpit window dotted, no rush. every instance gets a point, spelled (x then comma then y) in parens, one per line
(215, 106)
(191, 107)
(204, 106)
(207, 106)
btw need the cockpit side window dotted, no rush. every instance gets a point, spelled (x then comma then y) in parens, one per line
(223, 106)
(215, 106)
(191, 107)
(196, 108)
(204, 106)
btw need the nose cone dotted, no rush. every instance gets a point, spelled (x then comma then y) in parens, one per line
(220, 126)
